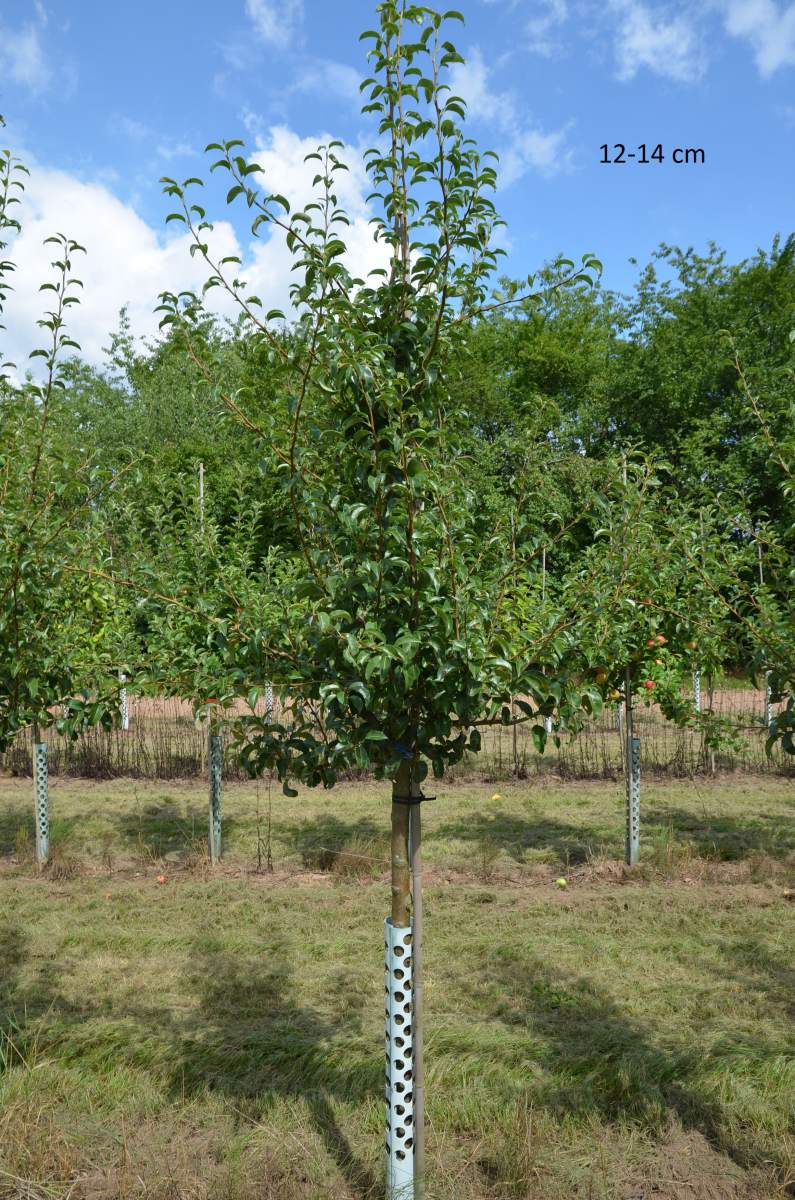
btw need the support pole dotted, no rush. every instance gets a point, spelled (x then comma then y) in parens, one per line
(547, 720)
(124, 703)
(399, 939)
(215, 759)
(41, 797)
(768, 709)
(201, 496)
(415, 826)
(632, 760)
(399, 1089)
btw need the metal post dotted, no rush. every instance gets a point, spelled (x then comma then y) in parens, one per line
(547, 720)
(399, 1083)
(41, 796)
(632, 760)
(633, 802)
(215, 763)
(697, 690)
(768, 709)
(415, 844)
(124, 703)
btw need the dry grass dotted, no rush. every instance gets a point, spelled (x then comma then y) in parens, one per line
(218, 1036)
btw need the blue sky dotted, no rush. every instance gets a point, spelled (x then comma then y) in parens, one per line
(102, 99)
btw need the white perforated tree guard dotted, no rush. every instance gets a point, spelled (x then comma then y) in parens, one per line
(41, 796)
(216, 757)
(768, 705)
(697, 691)
(124, 703)
(399, 1065)
(633, 801)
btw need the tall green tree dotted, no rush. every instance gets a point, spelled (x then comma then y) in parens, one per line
(397, 640)
(58, 626)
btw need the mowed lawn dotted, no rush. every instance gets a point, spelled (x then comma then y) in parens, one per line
(172, 1030)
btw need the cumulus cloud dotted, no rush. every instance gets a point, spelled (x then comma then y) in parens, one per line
(523, 145)
(276, 21)
(128, 262)
(281, 153)
(666, 44)
(769, 28)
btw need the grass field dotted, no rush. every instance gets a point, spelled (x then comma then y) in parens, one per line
(219, 1034)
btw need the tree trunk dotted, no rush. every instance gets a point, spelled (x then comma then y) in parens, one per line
(401, 874)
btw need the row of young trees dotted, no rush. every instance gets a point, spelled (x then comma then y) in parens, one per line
(435, 506)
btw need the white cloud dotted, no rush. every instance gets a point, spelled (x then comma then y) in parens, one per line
(667, 44)
(276, 21)
(541, 29)
(281, 154)
(770, 29)
(524, 146)
(128, 262)
(22, 58)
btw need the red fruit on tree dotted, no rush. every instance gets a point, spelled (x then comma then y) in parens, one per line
(649, 684)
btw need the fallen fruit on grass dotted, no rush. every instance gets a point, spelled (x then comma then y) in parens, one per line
(496, 796)
(161, 879)
(561, 883)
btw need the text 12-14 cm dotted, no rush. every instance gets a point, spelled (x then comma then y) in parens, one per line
(681, 154)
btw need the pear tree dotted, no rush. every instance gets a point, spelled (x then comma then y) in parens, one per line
(395, 641)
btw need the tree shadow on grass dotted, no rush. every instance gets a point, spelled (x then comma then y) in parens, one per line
(251, 1039)
(318, 841)
(14, 818)
(727, 839)
(516, 835)
(601, 1062)
(248, 1037)
(24, 1003)
(166, 827)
